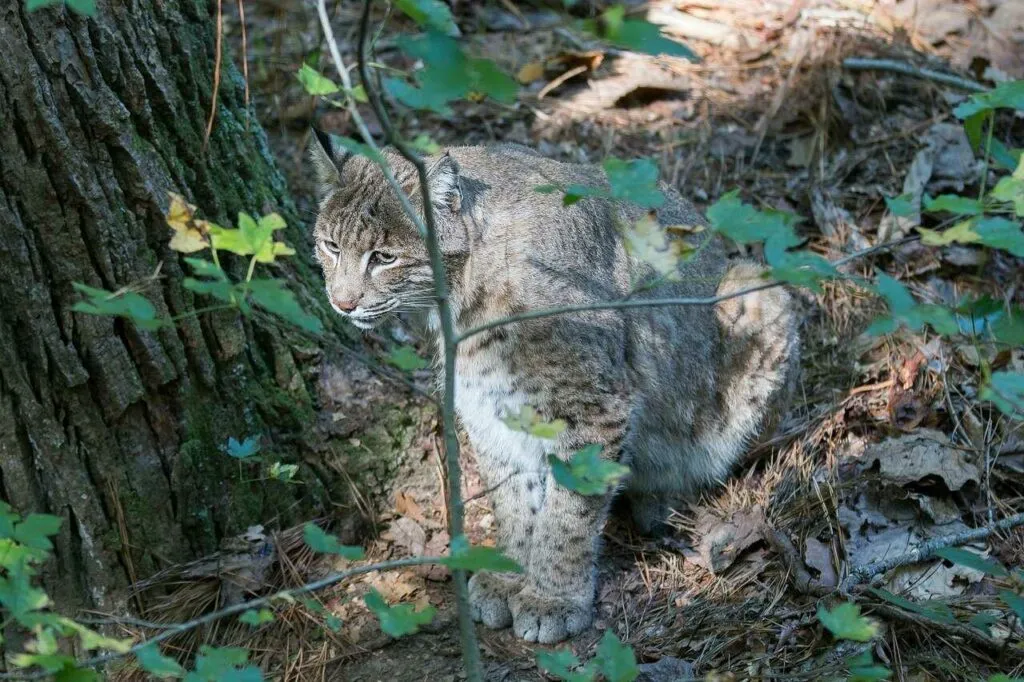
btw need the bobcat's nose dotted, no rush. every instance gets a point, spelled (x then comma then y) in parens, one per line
(345, 306)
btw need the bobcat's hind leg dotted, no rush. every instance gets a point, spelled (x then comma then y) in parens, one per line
(761, 355)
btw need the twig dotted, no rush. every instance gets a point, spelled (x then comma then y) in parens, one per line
(561, 79)
(471, 652)
(178, 628)
(925, 551)
(662, 302)
(955, 629)
(870, 64)
(216, 73)
(450, 341)
(245, 60)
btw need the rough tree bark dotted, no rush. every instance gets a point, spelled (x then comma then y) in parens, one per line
(116, 429)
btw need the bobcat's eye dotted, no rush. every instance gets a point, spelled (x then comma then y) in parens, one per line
(382, 258)
(331, 247)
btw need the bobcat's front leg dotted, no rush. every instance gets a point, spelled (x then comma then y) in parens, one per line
(516, 491)
(557, 600)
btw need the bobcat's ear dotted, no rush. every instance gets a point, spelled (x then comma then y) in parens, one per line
(443, 180)
(326, 165)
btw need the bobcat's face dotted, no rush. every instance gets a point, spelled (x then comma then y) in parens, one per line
(373, 258)
(373, 261)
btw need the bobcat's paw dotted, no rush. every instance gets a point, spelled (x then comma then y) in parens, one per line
(537, 617)
(488, 598)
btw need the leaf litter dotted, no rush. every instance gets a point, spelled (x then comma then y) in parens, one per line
(855, 473)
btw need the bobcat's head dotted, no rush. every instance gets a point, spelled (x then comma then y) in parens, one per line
(374, 260)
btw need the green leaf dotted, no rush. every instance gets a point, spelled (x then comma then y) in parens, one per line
(587, 473)
(399, 620)
(954, 203)
(528, 421)
(635, 34)
(247, 448)
(155, 663)
(127, 304)
(257, 618)
(205, 268)
(983, 621)
(325, 543)
(83, 7)
(964, 557)
(845, 622)
(252, 238)
(72, 673)
(426, 144)
(863, 668)
(1010, 190)
(1005, 390)
(1008, 95)
(615, 660)
(746, 225)
(406, 359)
(902, 206)
(933, 609)
(485, 77)
(564, 665)
(1000, 233)
(448, 75)
(1003, 156)
(801, 268)
(635, 181)
(272, 295)
(546, 189)
(574, 193)
(906, 311)
(36, 529)
(357, 148)
(282, 472)
(316, 83)
(1000, 677)
(222, 291)
(1014, 601)
(20, 598)
(430, 14)
(418, 98)
(223, 665)
(961, 233)
(91, 639)
(478, 558)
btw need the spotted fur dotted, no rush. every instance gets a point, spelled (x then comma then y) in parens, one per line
(677, 393)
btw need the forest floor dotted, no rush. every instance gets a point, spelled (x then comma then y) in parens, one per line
(885, 445)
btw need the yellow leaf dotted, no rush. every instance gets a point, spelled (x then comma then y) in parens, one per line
(190, 235)
(649, 242)
(960, 233)
(530, 72)
(474, 96)
(684, 229)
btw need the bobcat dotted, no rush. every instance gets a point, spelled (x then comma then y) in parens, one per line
(676, 393)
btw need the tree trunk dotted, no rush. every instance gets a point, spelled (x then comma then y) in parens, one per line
(116, 429)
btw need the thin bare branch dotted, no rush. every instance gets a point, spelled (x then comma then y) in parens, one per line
(284, 595)
(925, 551)
(869, 64)
(450, 341)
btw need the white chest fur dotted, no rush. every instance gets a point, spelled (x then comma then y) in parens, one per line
(482, 402)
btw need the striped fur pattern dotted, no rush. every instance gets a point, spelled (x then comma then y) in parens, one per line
(678, 394)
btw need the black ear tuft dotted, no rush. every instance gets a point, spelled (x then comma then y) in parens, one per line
(325, 165)
(443, 180)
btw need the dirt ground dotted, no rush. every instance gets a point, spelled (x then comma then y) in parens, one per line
(885, 445)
